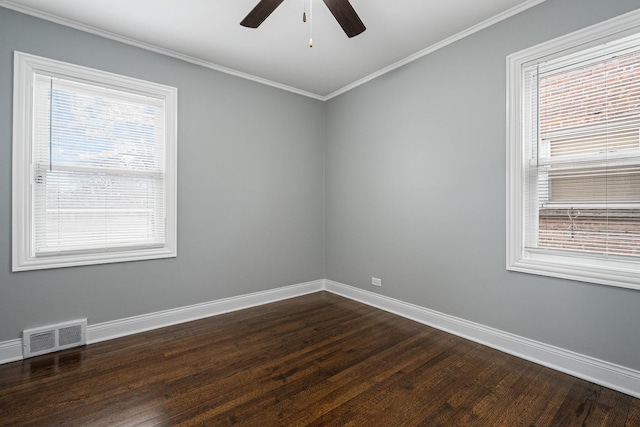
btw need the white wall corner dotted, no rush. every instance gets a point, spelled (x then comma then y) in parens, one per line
(616, 377)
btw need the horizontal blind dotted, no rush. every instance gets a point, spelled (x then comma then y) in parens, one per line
(583, 157)
(98, 168)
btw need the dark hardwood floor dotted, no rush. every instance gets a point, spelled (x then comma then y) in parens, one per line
(315, 360)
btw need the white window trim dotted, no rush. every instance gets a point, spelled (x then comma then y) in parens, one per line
(623, 273)
(25, 65)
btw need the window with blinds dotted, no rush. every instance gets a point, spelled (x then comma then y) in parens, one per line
(101, 166)
(583, 151)
(573, 183)
(98, 168)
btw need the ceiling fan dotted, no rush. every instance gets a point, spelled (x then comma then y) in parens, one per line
(341, 10)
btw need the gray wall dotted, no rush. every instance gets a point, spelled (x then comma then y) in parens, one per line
(415, 193)
(250, 190)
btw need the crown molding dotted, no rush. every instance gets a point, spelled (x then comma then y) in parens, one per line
(152, 48)
(437, 46)
(193, 60)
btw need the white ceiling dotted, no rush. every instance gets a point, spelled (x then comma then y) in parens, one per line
(277, 53)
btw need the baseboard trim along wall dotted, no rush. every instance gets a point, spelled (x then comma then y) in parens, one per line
(133, 325)
(11, 351)
(607, 374)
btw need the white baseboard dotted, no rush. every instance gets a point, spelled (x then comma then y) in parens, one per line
(146, 322)
(607, 374)
(11, 351)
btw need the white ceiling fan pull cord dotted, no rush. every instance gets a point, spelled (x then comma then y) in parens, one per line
(310, 23)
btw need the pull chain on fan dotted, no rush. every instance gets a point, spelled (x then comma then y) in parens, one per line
(304, 19)
(310, 23)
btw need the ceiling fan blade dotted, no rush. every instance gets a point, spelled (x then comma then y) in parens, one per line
(259, 13)
(346, 16)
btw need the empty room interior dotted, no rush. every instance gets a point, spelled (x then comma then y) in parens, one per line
(435, 221)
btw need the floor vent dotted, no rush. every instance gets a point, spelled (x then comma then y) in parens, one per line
(47, 339)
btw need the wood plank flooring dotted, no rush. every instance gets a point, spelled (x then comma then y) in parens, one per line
(315, 360)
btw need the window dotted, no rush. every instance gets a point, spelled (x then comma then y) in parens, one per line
(94, 166)
(573, 173)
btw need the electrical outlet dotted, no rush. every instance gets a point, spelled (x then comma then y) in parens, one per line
(376, 282)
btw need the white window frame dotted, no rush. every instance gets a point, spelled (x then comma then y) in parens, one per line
(25, 67)
(613, 271)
